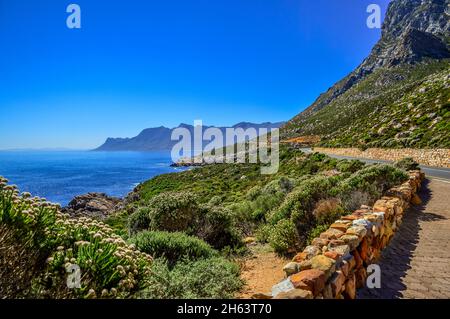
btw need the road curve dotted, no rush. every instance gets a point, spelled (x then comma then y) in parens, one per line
(439, 173)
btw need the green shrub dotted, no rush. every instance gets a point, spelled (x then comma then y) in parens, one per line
(139, 220)
(407, 164)
(301, 200)
(375, 178)
(316, 231)
(173, 211)
(263, 233)
(264, 204)
(206, 278)
(216, 227)
(172, 246)
(215, 200)
(367, 184)
(351, 166)
(253, 193)
(287, 184)
(283, 236)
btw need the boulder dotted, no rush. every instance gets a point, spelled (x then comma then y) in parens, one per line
(311, 279)
(359, 231)
(381, 206)
(300, 257)
(304, 265)
(311, 251)
(295, 294)
(363, 222)
(351, 240)
(341, 225)
(291, 268)
(351, 217)
(93, 205)
(307, 253)
(333, 255)
(325, 264)
(331, 233)
(341, 249)
(335, 243)
(320, 242)
(283, 286)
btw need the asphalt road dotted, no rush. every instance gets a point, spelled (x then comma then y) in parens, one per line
(438, 173)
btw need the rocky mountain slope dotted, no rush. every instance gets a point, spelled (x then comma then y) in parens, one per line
(159, 138)
(399, 95)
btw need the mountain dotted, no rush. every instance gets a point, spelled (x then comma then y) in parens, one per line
(159, 138)
(399, 95)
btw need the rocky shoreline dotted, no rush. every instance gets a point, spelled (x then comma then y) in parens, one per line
(94, 205)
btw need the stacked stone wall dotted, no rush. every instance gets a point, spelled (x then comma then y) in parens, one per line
(336, 263)
(427, 157)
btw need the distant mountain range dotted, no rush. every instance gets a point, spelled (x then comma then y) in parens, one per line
(159, 138)
(399, 96)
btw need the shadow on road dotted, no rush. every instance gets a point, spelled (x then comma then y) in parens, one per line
(396, 258)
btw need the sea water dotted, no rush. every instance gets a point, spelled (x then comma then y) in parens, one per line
(60, 175)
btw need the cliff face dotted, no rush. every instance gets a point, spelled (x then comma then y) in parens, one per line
(412, 53)
(413, 30)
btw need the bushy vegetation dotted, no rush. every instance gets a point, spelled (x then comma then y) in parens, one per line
(309, 191)
(204, 278)
(172, 246)
(173, 211)
(283, 236)
(407, 164)
(191, 223)
(182, 212)
(318, 201)
(405, 106)
(109, 267)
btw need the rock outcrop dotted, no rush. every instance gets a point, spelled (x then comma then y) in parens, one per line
(413, 31)
(94, 205)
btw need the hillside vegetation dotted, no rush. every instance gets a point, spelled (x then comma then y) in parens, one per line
(399, 95)
(405, 106)
(180, 235)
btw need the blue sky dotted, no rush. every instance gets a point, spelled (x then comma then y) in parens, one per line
(137, 64)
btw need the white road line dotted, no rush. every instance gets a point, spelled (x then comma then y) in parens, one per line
(439, 180)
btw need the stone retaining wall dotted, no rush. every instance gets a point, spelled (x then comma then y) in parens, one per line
(428, 157)
(335, 265)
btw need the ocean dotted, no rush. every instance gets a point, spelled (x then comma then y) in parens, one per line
(60, 175)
